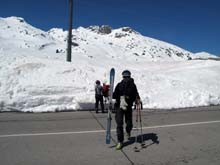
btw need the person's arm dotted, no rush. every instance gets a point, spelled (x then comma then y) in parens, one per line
(116, 95)
(137, 96)
(116, 92)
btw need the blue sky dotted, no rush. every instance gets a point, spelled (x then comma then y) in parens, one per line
(191, 24)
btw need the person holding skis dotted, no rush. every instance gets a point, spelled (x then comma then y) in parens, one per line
(99, 96)
(126, 94)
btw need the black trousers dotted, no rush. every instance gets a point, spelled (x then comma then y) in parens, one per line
(119, 117)
(99, 98)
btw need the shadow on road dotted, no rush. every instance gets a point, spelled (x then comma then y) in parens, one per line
(146, 137)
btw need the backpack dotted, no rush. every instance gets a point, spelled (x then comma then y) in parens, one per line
(106, 90)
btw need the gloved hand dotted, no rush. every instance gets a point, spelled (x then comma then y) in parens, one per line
(123, 103)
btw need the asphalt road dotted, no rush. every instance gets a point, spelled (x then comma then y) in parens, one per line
(186, 136)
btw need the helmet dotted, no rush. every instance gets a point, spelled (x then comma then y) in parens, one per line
(97, 82)
(126, 73)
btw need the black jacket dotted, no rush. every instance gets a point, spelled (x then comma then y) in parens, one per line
(128, 89)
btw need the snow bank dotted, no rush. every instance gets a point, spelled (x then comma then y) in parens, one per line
(40, 85)
(34, 76)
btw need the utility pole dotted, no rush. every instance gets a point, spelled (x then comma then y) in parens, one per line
(69, 40)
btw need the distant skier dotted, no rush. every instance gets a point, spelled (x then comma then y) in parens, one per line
(126, 94)
(105, 90)
(106, 93)
(99, 96)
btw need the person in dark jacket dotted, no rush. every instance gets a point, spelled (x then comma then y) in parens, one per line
(99, 96)
(126, 94)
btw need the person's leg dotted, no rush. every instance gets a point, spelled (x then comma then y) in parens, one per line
(96, 103)
(102, 104)
(119, 121)
(128, 120)
(105, 103)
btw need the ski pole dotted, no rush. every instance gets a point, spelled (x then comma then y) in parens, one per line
(140, 119)
(137, 131)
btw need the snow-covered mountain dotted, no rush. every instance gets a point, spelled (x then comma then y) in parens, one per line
(115, 43)
(205, 55)
(34, 74)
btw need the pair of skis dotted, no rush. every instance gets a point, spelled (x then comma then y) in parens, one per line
(110, 106)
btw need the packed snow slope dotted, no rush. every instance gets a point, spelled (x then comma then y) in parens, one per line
(35, 77)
